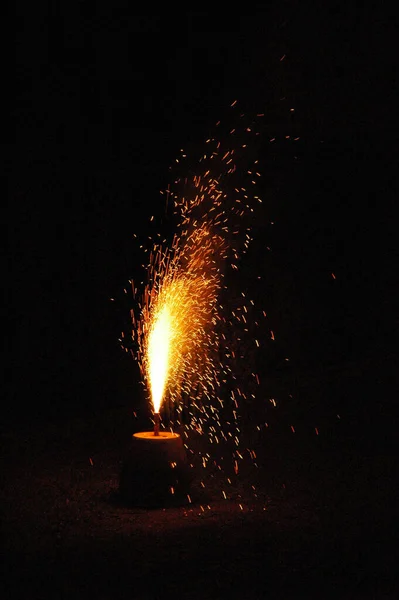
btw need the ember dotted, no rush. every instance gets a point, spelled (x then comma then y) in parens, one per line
(181, 328)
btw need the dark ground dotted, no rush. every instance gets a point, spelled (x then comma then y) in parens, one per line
(104, 101)
(321, 520)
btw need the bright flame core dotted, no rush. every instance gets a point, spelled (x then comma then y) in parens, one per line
(159, 346)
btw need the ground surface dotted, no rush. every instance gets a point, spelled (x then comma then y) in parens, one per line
(320, 521)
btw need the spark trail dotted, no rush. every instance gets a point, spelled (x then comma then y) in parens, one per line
(192, 327)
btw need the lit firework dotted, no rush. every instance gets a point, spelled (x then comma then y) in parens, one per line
(186, 352)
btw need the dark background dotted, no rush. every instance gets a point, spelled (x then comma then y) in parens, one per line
(105, 98)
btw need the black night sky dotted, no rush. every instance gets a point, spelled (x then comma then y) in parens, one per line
(104, 101)
(106, 95)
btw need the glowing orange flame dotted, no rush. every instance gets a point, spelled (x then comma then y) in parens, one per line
(184, 354)
(180, 320)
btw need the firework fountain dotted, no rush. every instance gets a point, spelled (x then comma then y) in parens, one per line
(180, 331)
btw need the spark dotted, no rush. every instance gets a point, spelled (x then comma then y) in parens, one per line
(189, 333)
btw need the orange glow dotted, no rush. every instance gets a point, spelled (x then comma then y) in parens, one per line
(191, 326)
(180, 317)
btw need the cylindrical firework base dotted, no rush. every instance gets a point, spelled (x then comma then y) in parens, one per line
(155, 471)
